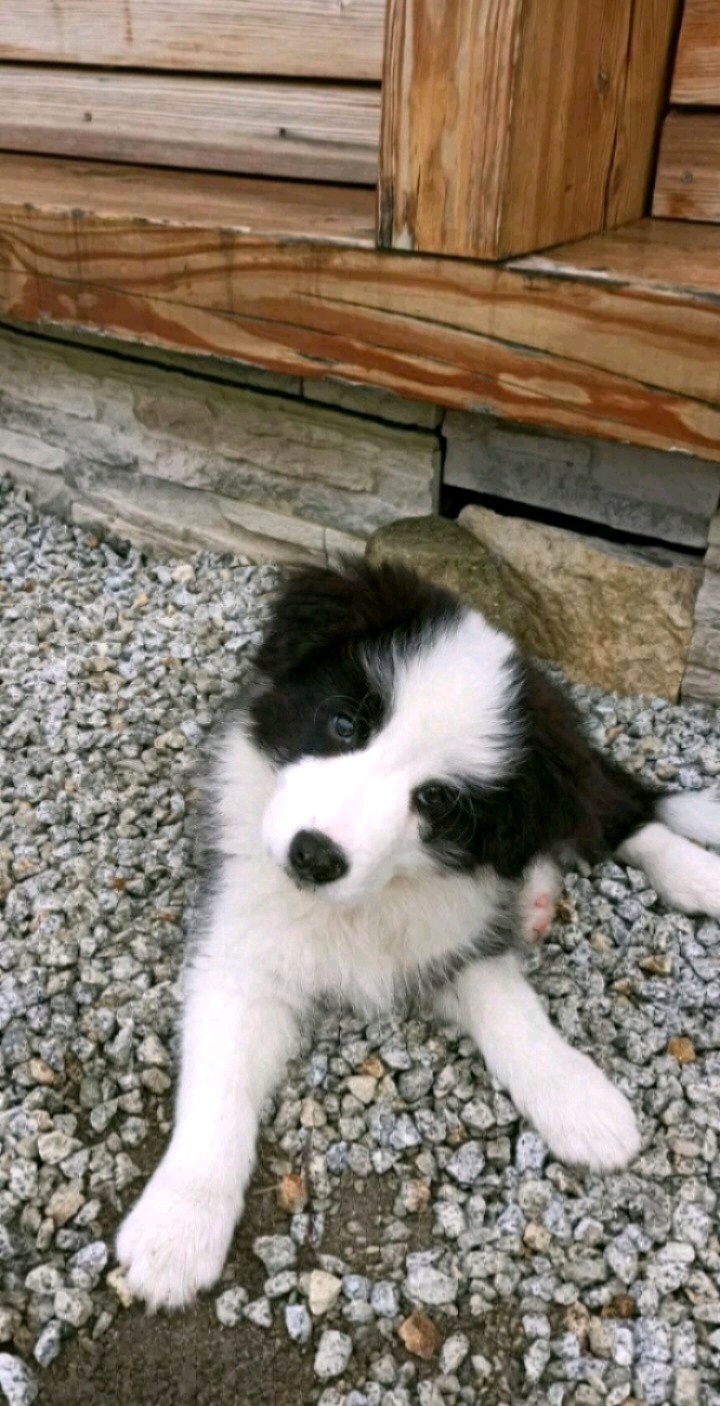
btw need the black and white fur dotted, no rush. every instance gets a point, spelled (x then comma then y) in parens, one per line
(388, 804)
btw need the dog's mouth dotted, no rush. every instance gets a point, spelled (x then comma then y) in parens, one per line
(302, 885)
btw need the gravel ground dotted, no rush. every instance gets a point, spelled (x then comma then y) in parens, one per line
(407, 1239)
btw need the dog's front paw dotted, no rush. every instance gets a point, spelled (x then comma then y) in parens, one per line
(583, 1118)
(175, 1240)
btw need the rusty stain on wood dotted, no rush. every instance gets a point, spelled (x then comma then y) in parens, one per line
(606, 337)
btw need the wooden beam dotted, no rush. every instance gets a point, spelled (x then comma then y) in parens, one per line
(302, 131)
(614, 337)
(300, 39)
(687, 186)
(651, 50)
(512, 125)
(281, 211)
(696, 78)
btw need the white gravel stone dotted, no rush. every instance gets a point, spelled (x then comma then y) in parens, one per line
(622, 1257)
(230, 1306)
(112, 668)
(86, 1267)
(278, 1285)
(259, 1312)
(298, 1323)
(453, 1352)
(45, 1280)
(384, 1299)
(55, 1147)
(47, 1347)
(276, 1252)
(16, 1381)
(362, 1087)
(467, 1164)
(431, 1286)
(73, 1306)
(333, 1354)
(323, 1292)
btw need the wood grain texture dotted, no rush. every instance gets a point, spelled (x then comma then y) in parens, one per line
(651, 50)
(653, 256)
(687, 185)
(301, 131)
(268, 210)
(283, 38)
(625, 348)
(696, 77)
(510, 125)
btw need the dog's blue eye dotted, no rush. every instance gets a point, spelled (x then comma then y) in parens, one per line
(342, 727)
(434, 798)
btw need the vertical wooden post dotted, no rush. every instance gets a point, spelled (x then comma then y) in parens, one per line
(511, 125)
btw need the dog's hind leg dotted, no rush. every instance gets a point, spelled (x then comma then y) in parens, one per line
(580, 1114)
(685, 875)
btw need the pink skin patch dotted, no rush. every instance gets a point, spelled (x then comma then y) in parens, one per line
(539, 898)
(541, 916)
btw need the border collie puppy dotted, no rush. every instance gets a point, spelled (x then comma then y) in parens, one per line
(388, 803)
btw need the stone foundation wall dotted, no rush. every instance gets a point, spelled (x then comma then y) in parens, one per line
(180, 453)
(702, 675)
(666, 497)
(174, 458)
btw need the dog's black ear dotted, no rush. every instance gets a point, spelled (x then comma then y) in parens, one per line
(324, 608)
(314, 606)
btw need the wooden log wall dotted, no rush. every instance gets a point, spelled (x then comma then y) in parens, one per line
(280, 38)
(260, 86)
(614, 336)
(514, 125)
(688, 177)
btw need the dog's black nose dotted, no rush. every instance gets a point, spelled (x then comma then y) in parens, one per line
(315, 859)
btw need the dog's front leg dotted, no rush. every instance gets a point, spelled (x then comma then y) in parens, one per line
(237, 1035)
(582, 1116)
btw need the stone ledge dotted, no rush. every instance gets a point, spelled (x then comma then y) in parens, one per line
(670, 497)
(702, 677)
(611, 616)
(271, 474)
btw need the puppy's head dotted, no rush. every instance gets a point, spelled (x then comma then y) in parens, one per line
(386, 710)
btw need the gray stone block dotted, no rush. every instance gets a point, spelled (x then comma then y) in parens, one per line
(171, 518)
(243, 469)
(367, 400)
(702, 675)
(671, 497)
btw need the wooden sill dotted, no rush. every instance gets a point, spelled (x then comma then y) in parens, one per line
(116, 195)
(616, 335)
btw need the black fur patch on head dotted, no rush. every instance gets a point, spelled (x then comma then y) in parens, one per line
(312, 663)
(559, 791)
(317, 697)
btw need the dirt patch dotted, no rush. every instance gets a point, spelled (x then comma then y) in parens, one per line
(189, 1359)
(183, 1361)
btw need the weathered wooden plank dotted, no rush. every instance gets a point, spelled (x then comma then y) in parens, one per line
(651, 258)
(300, 39)
(687, 185)
(304, 131)
(515, 124)
(589, 350)
(647, 77)
(269, 210)
(696, 77)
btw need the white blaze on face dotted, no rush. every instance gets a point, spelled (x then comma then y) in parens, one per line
(448, 716)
